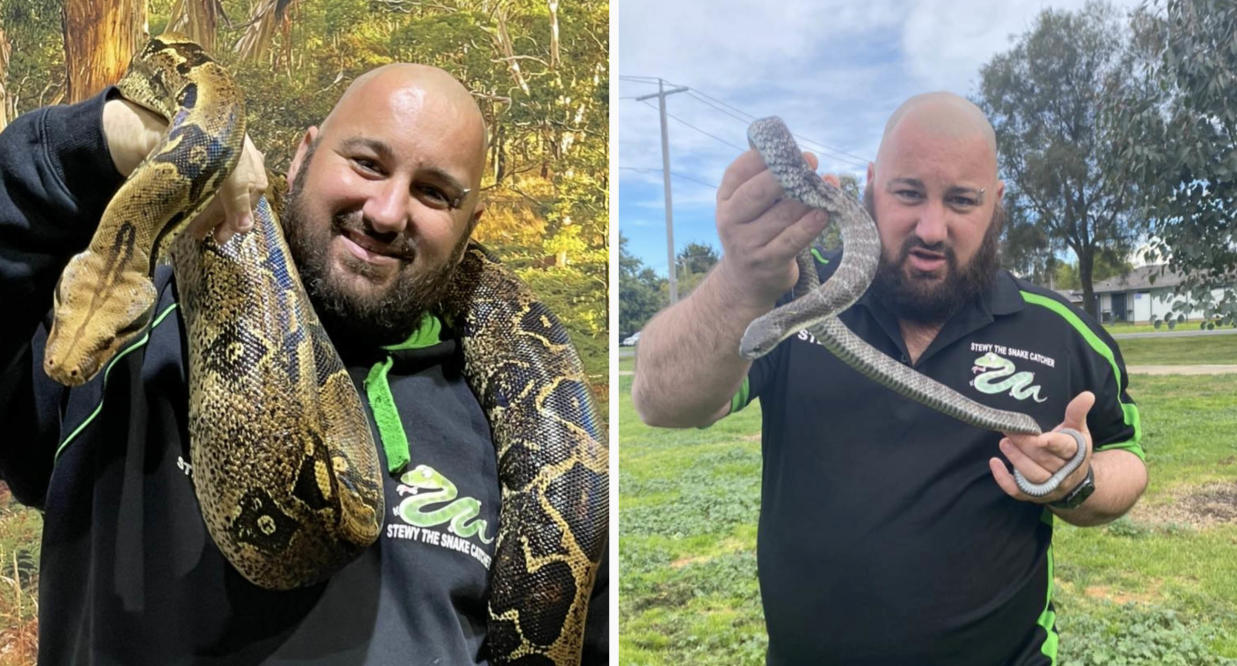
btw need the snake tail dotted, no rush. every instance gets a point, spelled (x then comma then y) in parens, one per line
(552, 463)
(105, 295)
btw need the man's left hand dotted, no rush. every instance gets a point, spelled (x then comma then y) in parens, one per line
(1038, 457)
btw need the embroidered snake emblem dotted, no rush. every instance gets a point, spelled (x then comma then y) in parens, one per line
(816, 305)
(425, 486)
(285, 467)
(1017, 383)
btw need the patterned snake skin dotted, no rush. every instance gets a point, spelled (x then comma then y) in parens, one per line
(285, 468)
(817, 306)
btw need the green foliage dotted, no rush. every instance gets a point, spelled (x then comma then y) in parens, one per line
(1179, 146)
(1138, 636)
(1049, 100)
(36, 74)
(696, 258)
(640, 292)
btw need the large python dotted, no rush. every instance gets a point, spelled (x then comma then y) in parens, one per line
(816, 305)
(285, 467)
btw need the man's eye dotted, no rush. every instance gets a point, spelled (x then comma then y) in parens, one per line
(908, 195)
(436, 197)
(963, 202)
(366, 164)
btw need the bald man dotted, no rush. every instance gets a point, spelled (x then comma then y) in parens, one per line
(383, 198)
(890, 533)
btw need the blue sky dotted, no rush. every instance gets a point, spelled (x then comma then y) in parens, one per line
(833, 71)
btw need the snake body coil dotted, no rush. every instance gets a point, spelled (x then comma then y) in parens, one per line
(285, 467)
(816, 306)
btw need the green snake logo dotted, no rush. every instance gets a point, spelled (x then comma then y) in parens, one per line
(425, 486)
(992, 367)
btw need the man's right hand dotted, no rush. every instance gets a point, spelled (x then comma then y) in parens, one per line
(762, 231)
(132, 132)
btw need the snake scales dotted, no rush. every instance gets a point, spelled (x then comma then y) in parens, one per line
(286, 470)
(816, 305)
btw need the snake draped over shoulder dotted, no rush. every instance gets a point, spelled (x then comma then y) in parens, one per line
(816, 305)
(285, 466)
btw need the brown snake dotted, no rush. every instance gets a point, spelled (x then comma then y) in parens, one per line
(286, 470)
(816, 305)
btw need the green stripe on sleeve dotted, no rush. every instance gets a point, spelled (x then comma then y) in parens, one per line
(1129, 411)
(741, 397)
(1048, 619)
(107, 371)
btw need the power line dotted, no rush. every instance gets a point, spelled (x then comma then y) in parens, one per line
(672, 173)
(711, 136)
(746, 118)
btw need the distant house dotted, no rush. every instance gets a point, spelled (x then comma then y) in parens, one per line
(1141, 296)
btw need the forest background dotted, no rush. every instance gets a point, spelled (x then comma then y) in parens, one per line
(538, 72)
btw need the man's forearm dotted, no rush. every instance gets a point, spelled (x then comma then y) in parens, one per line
(1120, 478)
(687, 361)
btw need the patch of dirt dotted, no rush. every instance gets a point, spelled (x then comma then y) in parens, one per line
(684, 561)
(1194, 506)
(1124, 596)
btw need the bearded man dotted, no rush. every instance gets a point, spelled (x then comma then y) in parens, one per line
(383, 199)
(890, 533)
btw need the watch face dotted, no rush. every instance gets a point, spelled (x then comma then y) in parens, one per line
(1080, 494)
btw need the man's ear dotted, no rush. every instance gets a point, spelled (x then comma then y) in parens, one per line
(302, 149)
(472, 224)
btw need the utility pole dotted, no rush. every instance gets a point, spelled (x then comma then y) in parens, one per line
(665, 173)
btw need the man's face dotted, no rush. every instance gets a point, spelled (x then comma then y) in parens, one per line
(937, 211)
(382, 201)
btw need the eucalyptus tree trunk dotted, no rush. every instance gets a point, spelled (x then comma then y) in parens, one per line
(100, 36)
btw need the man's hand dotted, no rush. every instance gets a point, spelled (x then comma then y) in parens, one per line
(761, 232)
(132, 132)
(1038, 457)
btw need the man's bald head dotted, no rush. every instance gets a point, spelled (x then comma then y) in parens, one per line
(940, 114)
(408, 89)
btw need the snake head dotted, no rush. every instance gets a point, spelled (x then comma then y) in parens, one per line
(96, 314)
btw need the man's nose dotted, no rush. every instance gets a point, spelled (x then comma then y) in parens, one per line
(388, 207)
(931, 227)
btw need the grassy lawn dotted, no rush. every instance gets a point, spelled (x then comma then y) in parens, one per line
(1124, 327)
(1203, 349)
(1156, 587)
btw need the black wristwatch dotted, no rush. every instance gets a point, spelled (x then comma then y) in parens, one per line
(1079, 494)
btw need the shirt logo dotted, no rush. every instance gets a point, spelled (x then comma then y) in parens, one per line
(425, 487)
(995, 374)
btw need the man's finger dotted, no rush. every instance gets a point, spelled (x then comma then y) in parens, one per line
(237, 207)
(752, 199)
(791, 240)
(1030, 468)
(740, 171)
(1076, 411)
(1004, 479)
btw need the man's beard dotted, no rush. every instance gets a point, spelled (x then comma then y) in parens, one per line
(353, 320)
(934, 301)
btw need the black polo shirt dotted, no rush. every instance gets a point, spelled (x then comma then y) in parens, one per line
(883, 537)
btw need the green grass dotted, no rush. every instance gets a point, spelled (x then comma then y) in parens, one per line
(1202, 349)
(1142, 590)
(1123, 327)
